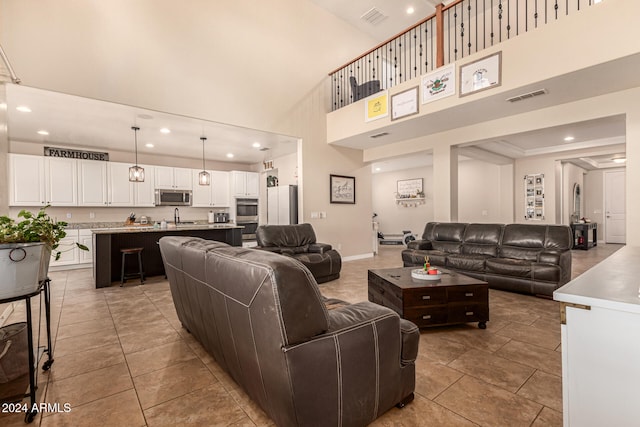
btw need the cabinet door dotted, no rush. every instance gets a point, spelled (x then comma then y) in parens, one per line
(252, 184)
(68, 250)
(61, 181)
(92, 183)
(144, 192)
(202, 194)
(182, 179)
(220, 188)
(120, 189)
(239, 183)
(164, 177)
(26, 190)
(85, 237)
(272, 206)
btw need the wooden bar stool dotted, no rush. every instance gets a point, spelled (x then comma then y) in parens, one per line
(140, 273)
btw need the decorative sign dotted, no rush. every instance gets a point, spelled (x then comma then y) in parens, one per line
(342, 189)
(75, 154)
(376, 107)
(409, 187)
(404, 103)
(480, 75)
(439, 84)
(534, 196)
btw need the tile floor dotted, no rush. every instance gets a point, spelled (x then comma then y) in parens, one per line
(122, 359)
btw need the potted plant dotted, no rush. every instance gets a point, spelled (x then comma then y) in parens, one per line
(27, 244)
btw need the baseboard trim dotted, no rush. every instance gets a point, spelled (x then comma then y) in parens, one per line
(357, 257)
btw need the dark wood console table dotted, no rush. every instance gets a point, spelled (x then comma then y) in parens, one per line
(581, 233)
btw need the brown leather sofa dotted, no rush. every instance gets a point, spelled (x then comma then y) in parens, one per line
(299, 241)
(303, 359)
(526, 258)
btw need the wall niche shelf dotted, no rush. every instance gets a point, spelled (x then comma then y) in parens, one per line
(410, 202)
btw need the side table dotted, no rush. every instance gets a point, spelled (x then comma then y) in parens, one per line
(580, 231)
(43, 290)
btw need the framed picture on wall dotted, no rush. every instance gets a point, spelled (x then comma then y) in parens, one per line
(342, 189)
(534, 197)
(482, 74)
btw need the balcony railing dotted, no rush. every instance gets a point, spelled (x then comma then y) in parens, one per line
(460, 29)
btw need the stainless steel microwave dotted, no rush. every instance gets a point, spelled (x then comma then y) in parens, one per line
(173, 197)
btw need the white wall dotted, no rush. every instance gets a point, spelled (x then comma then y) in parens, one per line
(489, 199)
(394, 218)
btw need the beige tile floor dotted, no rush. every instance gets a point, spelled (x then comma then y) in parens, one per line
(122, 359)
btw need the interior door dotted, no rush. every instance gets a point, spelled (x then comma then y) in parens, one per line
(614, 204)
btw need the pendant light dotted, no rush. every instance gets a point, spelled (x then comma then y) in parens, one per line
(204, 178)
(136, 173)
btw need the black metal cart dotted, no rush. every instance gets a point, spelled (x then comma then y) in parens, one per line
(44, 292)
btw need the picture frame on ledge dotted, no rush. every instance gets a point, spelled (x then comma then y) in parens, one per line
(342, 189)
(483, 74)
(404, 104)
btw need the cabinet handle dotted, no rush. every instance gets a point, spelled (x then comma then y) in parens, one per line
(468, 294)
(426, 317)
(426, 296)
(469, 313)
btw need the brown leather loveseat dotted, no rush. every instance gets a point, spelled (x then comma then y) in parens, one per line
(263, 319)
(299, 241)
(526, 258)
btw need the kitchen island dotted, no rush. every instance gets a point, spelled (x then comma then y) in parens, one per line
(107, 243)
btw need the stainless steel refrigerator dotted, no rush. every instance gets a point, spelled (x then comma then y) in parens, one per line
(282, 205)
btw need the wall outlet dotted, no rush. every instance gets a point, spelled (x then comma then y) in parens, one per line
(314, 215)
(92, 215)
(68, 215)
(323, 214)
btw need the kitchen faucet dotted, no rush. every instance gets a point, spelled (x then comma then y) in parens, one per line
(176, 216)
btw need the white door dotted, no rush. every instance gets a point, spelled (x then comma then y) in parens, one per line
(614, 204)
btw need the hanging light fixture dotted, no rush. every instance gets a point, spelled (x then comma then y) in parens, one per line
(204, 178)
(136, 173)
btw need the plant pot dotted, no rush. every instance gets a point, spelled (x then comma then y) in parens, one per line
(20, 268)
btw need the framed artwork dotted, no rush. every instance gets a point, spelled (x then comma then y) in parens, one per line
(376, 106)
(409, 187)
(404, 104)
(439, 84)
(481, 75)
(534, 197)
(342, 189)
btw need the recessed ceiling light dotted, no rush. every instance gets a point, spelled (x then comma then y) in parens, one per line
(43, 132)
(230, 155)
(378, 169)
(569, 138)
(148, 145)
(23, 109)
(256, 145)
(410, 10)
(165, 130)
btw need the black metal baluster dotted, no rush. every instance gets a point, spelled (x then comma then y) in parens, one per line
(555, 7)
(416, 72)
(535, 15)
(500, 21)
(455, 26)
(508, 19)
(566, 12)
(491, 14)
(421, 47)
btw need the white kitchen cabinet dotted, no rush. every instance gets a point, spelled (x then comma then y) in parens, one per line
(245, 184)
(120, 188)
(92, 183)
(85, 237)
(600, 327)
(214, 195)
(173, 178)
(68, 250)
(39, 181)
(144, 192)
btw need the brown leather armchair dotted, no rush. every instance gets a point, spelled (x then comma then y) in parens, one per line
(263, 319)
(299, 241)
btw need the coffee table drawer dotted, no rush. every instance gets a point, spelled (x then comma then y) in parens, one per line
(468, 294)
(426, 316)
(468, 313)
(425, 296)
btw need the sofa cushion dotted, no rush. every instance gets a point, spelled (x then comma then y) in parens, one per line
(291, 236)
(467, 262)
(446, 247)
(545, 272)
(482, 239)
(524, 235)
(558, 237)
(448, 232)
(509, 267)
(320, 265)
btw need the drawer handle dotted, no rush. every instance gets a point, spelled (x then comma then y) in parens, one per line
(426, 317)
(426, 296)
(469, 313)
(468, 294)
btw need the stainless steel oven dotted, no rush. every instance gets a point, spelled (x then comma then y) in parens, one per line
(247, 217)
(249, 230)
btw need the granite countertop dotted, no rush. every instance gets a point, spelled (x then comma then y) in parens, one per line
(119, 227)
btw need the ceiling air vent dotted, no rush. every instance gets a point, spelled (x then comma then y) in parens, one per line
(527, 95)
(373, 16)
(378, 135)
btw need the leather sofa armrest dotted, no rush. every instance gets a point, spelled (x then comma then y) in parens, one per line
(549, 257)
(319, 248)
(274, 249)
(420, 244)
(355, 315)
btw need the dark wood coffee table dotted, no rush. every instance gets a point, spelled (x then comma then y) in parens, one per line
(455, 298)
